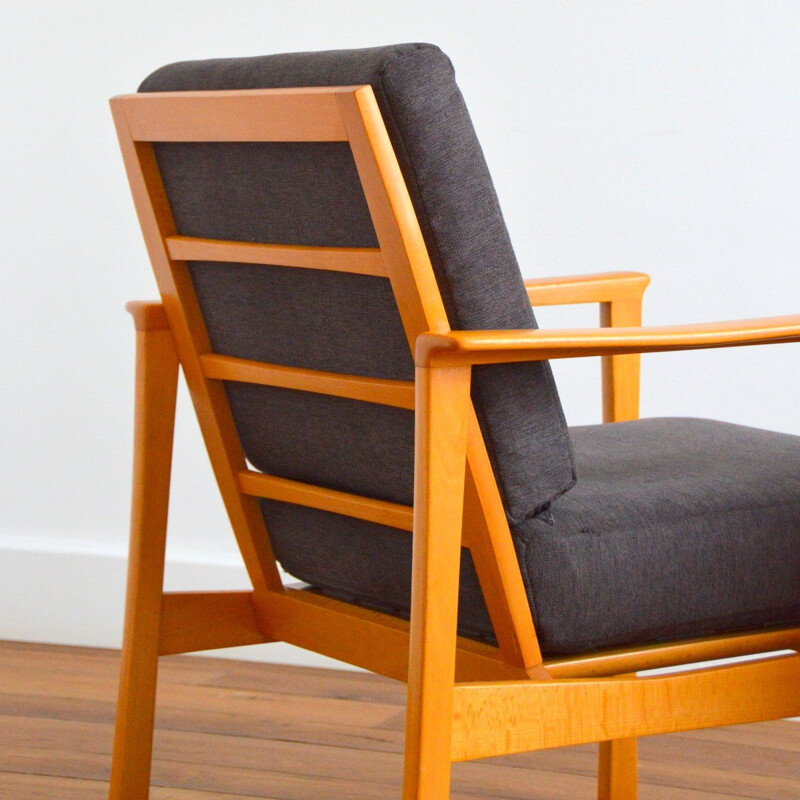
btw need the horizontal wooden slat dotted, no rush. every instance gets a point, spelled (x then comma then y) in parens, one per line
(399, 394)
(368, 639)
(669, 654)
(352, 505)
(358, 260)
(250, 115)
(192, 621)
(492, 719)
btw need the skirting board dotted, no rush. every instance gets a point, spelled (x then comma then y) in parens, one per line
(74, 594)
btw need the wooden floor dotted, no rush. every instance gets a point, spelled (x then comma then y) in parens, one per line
(233, 729)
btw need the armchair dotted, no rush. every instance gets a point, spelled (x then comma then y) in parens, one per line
(307, 241)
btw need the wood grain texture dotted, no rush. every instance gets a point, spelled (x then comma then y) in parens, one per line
(601, 287)
(616, 772)
(496, 719)
(621, 373)
(440, 457)
(305, 734)
(620, 297)
(669, 654)
(191, 341)
(497, 347)
(358, 260)
(192, 621)
(421, 309)
(364, 638)
(154, 422)
(271, 487)
(487, 535)
(399, 394)
(251, 115)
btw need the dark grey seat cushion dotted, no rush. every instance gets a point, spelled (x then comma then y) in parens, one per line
(310, 194)
(676, 528)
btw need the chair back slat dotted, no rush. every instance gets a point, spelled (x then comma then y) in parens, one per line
(358, 260)
(273, 115)
(399, 394)
(271, 487)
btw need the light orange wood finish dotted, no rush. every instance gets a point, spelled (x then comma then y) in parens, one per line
(352, 505)
(191, 341)
(399, 235)
(621, 374)
(616, 778)
(358, 260)
(671, 654)
(522, 703)
(192, 621)
(148, 315)
(600, 287)
(364, 638)
(620, 297)
(253, 115)
(156, 389)
(371, 390)
(488, 537)
(492, 719)
(498, 347)
(421, 309)
(440, 455)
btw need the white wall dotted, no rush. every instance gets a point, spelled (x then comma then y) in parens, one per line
(657, 136)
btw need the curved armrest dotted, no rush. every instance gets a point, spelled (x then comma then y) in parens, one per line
(497, 347)
(148, 315)
(602, 287)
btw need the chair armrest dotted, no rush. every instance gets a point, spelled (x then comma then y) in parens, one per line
(497, 347)
(148, 315)
(602, 287)
(620, 296)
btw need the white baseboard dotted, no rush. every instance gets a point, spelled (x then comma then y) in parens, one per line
(74, 594)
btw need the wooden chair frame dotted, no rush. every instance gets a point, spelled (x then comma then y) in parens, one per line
(466, 699)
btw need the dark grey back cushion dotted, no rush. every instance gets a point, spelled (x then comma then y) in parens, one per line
(310, 194)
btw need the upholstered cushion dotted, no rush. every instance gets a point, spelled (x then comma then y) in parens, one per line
(309, 194)
(676, 528)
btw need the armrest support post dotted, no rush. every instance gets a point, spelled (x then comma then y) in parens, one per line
(620, 297)
(621, 374)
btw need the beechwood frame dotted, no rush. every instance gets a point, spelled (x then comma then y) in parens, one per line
(466, 699)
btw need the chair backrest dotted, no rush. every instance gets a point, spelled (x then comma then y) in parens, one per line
(274, 210)
(310, 194)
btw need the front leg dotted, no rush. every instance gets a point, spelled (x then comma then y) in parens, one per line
(156, 388)
(440, 464)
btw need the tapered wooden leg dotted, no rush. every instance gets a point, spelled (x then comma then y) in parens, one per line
(617, 778)
(440, 461)
(156, 385)
(621, 374)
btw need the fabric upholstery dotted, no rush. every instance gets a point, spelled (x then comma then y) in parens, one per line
(309, 194)
(676, 528)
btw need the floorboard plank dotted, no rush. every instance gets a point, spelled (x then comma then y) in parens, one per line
(228, 730)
